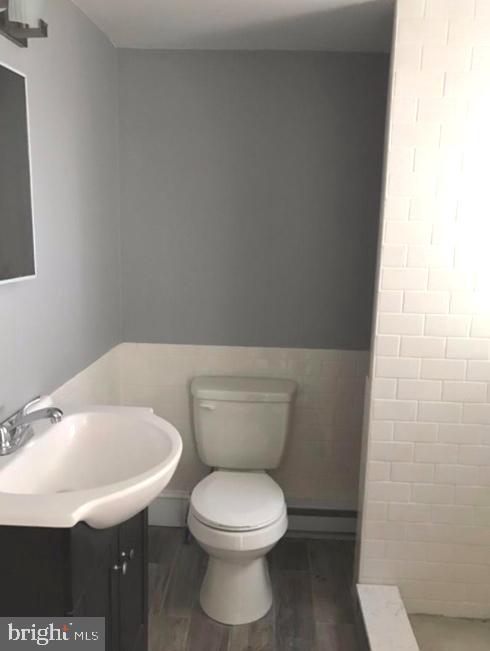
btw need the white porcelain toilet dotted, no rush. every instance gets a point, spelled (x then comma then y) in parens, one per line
(238, 513)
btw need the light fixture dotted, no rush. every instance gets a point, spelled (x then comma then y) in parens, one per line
(26, 12)
(21, 20)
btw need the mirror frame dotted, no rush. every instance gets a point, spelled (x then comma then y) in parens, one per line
(9, 281)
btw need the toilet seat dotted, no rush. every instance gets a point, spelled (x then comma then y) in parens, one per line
(237, 501)
(237, 542)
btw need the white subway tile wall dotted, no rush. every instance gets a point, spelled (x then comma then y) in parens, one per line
(426, 515)
(321, 462)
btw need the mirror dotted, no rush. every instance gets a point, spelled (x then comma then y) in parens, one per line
(17, 260)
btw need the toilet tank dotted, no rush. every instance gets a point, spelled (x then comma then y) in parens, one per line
(241, 423)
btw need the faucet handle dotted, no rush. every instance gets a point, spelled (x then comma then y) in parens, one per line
(26, 408)
(5, 438)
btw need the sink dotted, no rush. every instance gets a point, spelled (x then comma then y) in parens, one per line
(99, 465)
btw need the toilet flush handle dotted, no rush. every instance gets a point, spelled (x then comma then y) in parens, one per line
(208, 405)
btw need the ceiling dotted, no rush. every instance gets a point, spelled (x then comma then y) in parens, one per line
(342, 25)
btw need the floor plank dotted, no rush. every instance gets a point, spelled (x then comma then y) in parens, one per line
(158, 585)
(186, 580)
(165, 544)
(331, 556)
(168, 633)
(331, 587)
(294, 612)
(290, 554)
(258, 636)
(206, 634)
(336, 637)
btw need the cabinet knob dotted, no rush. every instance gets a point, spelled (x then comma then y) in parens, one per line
(123, 568)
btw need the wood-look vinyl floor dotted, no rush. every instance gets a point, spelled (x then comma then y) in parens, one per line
(312, 608)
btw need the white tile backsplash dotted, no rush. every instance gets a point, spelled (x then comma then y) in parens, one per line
(98, 384)
(432, 539)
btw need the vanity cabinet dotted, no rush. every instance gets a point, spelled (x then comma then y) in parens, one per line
(80, 572)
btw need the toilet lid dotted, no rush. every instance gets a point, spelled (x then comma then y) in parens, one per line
(237, 501)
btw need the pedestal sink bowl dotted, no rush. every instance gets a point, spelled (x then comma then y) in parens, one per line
(100, 465)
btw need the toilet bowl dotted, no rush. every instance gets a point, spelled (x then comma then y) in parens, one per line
(237, 518)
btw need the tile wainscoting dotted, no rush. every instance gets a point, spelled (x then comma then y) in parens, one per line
(98, 384)
(321, 464)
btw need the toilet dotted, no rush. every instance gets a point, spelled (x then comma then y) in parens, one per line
(238, 512)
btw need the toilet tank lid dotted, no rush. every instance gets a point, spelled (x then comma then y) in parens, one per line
(243, 389)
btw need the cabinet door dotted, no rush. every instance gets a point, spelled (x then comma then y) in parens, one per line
(95, 583)
(100, 599)
(32, 572)
(133, 583)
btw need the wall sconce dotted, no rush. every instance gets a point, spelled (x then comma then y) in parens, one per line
(21, 20)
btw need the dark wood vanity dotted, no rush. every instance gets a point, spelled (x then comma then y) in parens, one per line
(80, 572)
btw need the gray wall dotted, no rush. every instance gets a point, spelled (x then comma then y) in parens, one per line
(250, 192)
(53, 326)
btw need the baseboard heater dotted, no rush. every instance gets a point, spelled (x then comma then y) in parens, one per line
(322, 520)
(170, 510)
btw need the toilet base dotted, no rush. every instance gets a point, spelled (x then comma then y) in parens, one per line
(236, 592)
(237, 588)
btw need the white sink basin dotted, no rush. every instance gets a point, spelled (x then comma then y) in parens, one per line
(100, 466)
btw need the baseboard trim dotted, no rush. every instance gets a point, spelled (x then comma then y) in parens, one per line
(170, 510)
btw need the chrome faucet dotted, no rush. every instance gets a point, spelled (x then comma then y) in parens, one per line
(16, 430)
